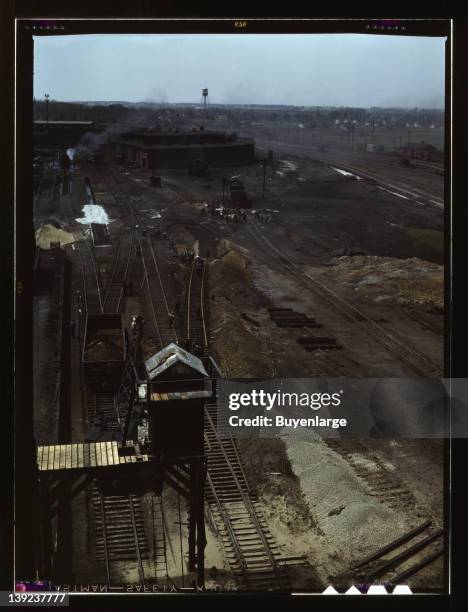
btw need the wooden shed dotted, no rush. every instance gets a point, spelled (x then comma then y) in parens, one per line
(178, 386)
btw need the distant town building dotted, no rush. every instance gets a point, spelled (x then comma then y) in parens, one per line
(374, 148)
(421, 150)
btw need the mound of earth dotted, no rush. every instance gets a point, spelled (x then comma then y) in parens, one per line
(48, 233)
(239, 348)
(388, 280)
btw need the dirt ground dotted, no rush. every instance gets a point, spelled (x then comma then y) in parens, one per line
(239, 349)
(379, 251)
(321, 503)
(329, 501)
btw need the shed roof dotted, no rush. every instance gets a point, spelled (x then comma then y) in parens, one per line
(169, 356)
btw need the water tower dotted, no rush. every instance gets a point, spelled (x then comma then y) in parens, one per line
(204, 92)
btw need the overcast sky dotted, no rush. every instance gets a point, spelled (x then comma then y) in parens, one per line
(305, 70)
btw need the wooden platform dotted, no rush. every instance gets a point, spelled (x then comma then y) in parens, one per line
(84, 456)
(185, 395)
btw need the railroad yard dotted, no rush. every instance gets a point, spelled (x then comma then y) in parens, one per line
(335, 270)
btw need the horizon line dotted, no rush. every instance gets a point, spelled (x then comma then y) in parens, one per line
(216, 104)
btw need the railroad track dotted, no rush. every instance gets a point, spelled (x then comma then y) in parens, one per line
(251, 550)
(160, 541)
(400, 559)
(387, 487)
(114, 291)
(160, 310)
(103, 412)
(401, 188)
(121, 540)
(101, 408)
(152, 275)
(237, 516)
(92, 293)
(397, 347)
(195, 317)
(120, 533)
(118, 520)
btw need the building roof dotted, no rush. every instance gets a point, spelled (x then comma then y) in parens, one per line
(60, 123)
(169, 356)
(173, 147)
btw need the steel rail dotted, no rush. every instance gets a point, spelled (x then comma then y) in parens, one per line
(202, 307)
(395, 544)
(122, 199)
(189, 297)
(218, 445)
(163, 293)
(132, 547)
(246, 499)
(414, 569)
(344, 307)
(227, 522)
(96, 273)
(115, 267)
(137, 543)
(113, 270)
(84, 274)
(192, 301)
(406, 554)
(148, 287)
(104, 537)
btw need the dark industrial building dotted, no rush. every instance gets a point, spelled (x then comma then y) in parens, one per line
(177, 149)
(60, 133)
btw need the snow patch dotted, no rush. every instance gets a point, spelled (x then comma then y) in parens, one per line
(288, 165)
(93, 213)
(399, 195)
(346, 173)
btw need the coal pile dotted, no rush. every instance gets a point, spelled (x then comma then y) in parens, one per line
(105, 346)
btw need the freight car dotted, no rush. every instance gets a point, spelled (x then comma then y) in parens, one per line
(104, 351)
(238, 195)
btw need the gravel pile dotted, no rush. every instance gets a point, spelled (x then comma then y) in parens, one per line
(408, 282)
(354, 524)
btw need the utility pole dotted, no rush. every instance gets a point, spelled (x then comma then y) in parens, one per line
(46, 96)
(352, 136)
(264, 162)
(300, 136)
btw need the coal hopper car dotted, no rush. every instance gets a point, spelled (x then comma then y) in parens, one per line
(104, 351)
